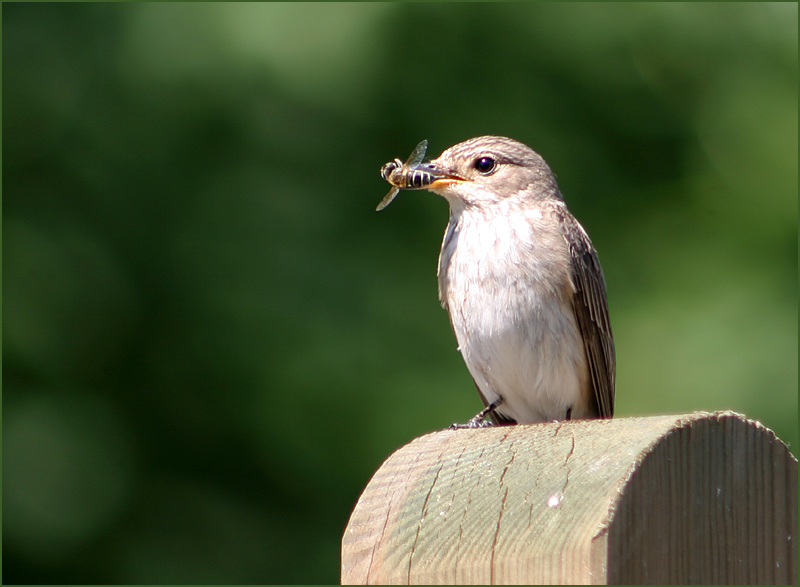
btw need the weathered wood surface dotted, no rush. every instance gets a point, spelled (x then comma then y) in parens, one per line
(699, 498)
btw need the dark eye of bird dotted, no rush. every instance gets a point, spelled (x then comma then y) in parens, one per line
(485, 165)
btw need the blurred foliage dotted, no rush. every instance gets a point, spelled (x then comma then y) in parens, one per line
(210, 339)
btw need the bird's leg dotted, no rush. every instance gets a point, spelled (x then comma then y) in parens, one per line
(569, 413)
(479, 420)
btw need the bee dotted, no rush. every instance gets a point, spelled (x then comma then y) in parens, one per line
(406, 176)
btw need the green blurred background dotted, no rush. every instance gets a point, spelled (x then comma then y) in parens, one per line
(211, 340)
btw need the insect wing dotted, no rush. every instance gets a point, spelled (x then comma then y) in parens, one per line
(387, 199)
(417, 155)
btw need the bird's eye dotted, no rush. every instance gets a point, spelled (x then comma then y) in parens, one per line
(485, 165)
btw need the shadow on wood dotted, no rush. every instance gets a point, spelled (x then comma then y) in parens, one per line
(699, 498)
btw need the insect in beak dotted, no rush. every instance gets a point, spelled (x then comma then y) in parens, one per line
(411, 175)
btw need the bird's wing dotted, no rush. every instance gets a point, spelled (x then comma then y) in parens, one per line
(591, 311)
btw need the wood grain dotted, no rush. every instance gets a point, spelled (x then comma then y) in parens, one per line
(695, 498)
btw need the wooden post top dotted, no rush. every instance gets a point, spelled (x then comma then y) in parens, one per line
(697, 498)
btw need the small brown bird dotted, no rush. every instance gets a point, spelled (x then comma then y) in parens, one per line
(522, 284)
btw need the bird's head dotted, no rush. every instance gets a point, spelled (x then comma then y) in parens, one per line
(485, 170)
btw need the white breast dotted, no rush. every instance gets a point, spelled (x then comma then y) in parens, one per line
(504, 279)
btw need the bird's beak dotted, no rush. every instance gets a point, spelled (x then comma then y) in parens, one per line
(442, 176)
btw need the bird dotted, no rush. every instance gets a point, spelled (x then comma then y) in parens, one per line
(522, 285)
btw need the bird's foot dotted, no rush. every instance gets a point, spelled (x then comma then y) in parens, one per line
(472, 423)
(567, 416)
(479, 420)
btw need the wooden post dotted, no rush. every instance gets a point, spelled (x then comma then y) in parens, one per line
(699, 498)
